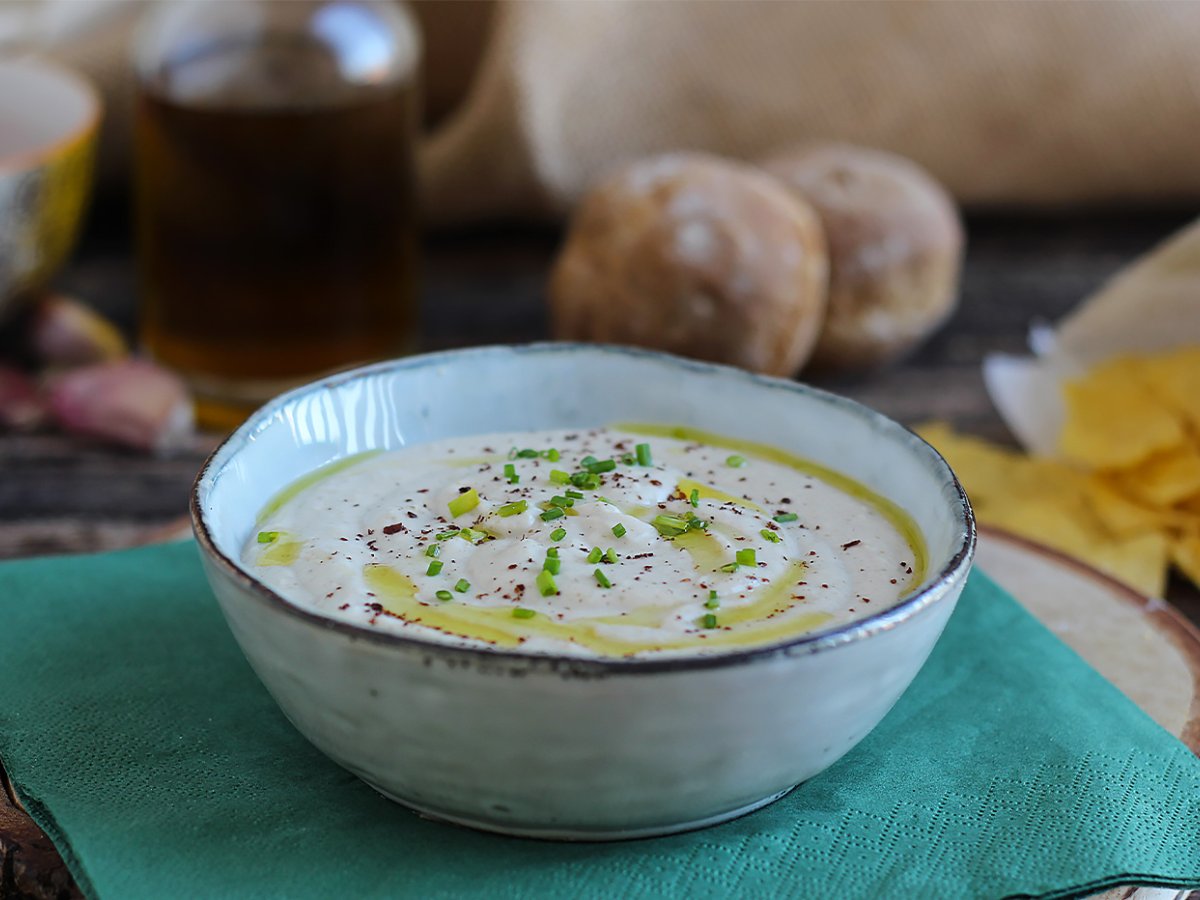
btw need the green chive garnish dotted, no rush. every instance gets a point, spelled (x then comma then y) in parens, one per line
(604, 465)
(574, 495)
(595, 555)
(527, 454)
(710, 621)
(462, 585)
(552, 454)
(512, 509)
(471, 536)
(588, 461)
(712, 602)
(268, 537)
(521, 613)
(670, 526)
(729, 567)
(558, 534)
(434, 550)
(552, 513)
(553, 551)
(585, 480)
(552, 565)
(545, 583)
(463, 503)
(643, 455)
(694, 499)
(562, 502)
(435, 567)
(770, 535)
(610, 555)
(510, 472)
(444, 595)
(618, 530)
(735, 461)
(786, 517)
(628, 458)
(443, 535)
(746, 557)
(602, 579)
(558, 476)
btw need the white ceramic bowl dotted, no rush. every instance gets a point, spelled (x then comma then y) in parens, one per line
(564, 747)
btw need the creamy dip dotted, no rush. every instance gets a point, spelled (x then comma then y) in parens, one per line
(628, 541)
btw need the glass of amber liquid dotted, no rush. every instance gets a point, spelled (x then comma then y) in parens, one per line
(275, 192)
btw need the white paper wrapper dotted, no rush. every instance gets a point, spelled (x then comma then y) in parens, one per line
(1152, 305)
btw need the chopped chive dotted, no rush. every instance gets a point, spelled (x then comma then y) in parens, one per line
(472, 536)
(553, 551)
(527, 453)
(435, 567)
(510, 472)
(444, 595)
(735, 461)
(512, 509)
(712, 595)
(710, 620)
(545, 583)
(562, 502)
(770, 535)
(670, 526)
(552, 565)
(574, 495)
(586, 480)
(746, 557)
(712, 602)
(618, 530)
(786, 517)
(268, 537)
(558, 534)
(463, 503)
(604, 465)
(434, 550)
(588, 461)
(552, 454)
(602, 579)
(729, 567)
(552, 513)
(558, 476)
(462, 585)
(443, 535)
(628, 458)
(643, 455)
(610, 555)
(521, 613)
(595, 556)
(694, 499)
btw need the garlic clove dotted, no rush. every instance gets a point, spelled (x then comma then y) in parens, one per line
(131, 402)
(22, 407)
(64, 332)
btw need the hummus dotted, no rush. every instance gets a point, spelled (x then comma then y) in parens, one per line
(629, 541)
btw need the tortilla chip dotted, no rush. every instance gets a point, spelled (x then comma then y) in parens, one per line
(1165, 478)
(1174, 378)
(1123, 516)
(1114, 421)
(1140, 562)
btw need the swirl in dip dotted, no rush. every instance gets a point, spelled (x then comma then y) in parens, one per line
(629, 541)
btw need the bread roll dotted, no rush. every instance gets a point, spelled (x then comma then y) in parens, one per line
(895, 249)
(698, 256)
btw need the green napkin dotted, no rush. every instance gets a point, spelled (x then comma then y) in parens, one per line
(149, 752)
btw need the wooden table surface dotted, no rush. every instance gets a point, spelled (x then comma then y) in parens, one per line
(64, 496)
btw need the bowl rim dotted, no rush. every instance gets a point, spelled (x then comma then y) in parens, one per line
(79, 133)
(936, 590)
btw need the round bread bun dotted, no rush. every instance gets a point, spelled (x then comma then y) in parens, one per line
(895, 249)
(698, 256)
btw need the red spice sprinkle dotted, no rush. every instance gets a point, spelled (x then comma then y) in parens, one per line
(393, 528)
(344, 606)
(849, 544)
(892, 580)
(411, 514)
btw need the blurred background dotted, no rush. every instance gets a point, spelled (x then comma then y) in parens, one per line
(203, 204)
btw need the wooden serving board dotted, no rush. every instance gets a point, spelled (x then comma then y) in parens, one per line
(1143, 646)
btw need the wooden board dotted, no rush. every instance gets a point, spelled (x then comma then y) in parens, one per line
(1145, 647)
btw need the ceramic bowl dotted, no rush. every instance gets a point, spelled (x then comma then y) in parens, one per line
(49, 119)
(561, 747)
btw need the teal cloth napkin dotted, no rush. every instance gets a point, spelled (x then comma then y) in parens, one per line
(160, 767)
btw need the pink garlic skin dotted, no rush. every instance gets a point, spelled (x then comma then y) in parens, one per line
(64, 332)
(130, 402)
(22, 406)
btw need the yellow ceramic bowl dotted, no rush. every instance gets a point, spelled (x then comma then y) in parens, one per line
(49, 118)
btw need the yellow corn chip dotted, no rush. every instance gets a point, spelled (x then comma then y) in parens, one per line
(1140, 562)
(1113, 420)
(1122, 516)
(1165, 478)
(1174, 377)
